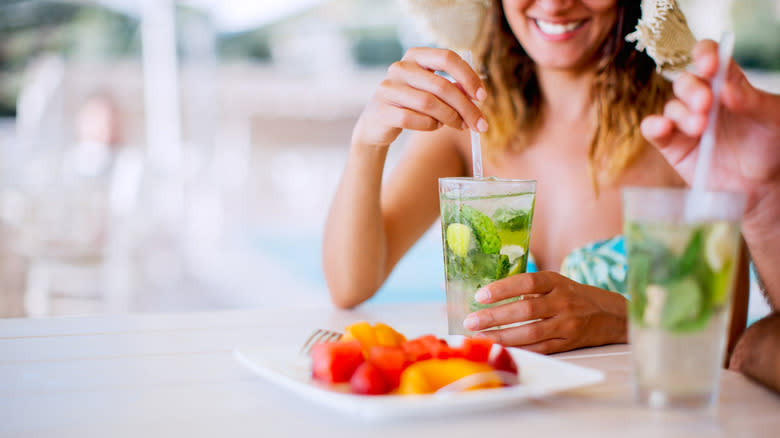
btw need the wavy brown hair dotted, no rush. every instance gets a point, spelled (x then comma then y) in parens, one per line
(626, 88)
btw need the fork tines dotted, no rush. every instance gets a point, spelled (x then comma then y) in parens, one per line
(320, 336)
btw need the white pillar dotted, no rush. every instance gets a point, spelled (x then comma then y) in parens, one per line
(161, 85)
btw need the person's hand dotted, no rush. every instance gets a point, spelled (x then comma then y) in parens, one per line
(565, 314)
(746, 157)
(413, 96)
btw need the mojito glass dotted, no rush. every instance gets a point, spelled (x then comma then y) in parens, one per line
(486, 227)
(683, 250)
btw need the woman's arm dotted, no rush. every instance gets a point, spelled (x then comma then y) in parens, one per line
(757, 354)
(369, 227)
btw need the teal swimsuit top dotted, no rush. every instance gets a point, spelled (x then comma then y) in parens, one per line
(601, 264)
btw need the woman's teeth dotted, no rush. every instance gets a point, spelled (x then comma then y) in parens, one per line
(558, 29)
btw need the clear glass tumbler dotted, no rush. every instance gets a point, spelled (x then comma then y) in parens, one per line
(486, 227)
(683, 249)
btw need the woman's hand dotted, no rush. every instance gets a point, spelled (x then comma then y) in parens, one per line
(747, 153)
(565, 314)
(413, 96)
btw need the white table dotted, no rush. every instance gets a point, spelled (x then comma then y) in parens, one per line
(173, 375)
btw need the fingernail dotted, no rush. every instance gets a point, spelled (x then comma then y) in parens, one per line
(482, 295)
(482, 125)
(481, 94)
(471, 322)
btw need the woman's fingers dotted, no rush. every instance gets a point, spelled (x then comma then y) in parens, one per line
(407, 118)
(705, 58)
(402, 96)
(678, 148)
(694, 92)
(414, 97)
(455, 95)
(689, 122)
(521, 284)
(450, 62)
(517, 311)
(526, 334)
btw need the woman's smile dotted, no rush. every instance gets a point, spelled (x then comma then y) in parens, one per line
(558, 30)
(560, 34)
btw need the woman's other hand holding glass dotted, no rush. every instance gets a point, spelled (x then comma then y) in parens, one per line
(561, 314)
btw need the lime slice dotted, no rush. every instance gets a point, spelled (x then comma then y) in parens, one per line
(459, 239)
(721, 284)
(517, 267)
(516, 259)
(720, 246)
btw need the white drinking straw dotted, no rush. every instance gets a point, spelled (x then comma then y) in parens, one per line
(476, 141)
(707, 141)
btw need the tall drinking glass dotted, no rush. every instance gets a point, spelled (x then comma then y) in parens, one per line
(683, 249)
(486, 226)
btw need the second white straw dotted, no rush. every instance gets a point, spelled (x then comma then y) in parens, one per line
(707, 141)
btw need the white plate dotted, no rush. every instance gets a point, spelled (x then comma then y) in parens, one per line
(539, 375)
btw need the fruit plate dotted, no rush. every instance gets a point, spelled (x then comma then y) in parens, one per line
(539, 376)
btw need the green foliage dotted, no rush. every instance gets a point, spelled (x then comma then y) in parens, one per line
(254, 45)
(757, 30)
(371, 51)
(692, 291)
(511, 219)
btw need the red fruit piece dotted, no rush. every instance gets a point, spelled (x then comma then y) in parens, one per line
(335, 362)
(444, 351)
(502, 361)
(421, 348)
(476, 349)
(391, 361)
(368, 379)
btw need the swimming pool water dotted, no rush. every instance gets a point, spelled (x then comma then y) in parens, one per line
(418, 277)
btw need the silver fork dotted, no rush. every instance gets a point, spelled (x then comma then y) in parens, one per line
(320, 336)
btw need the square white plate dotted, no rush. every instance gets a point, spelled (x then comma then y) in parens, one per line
(539, 375)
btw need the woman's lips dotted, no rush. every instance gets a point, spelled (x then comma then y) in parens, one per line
(558, 31)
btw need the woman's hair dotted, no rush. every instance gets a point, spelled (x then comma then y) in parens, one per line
(626, 88)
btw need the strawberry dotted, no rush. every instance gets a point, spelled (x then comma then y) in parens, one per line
(368, 379)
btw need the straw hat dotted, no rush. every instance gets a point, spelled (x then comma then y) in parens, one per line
(664, 34)
(662, 31)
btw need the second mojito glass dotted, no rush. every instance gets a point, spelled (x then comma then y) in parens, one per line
(683, 250)
(486, 227)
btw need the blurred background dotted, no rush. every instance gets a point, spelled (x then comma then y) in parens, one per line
(162, 155)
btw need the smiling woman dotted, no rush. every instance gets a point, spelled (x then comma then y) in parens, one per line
(533, 41)
(560, 101)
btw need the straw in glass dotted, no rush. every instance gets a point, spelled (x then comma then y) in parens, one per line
(707, 141)
(476, 142)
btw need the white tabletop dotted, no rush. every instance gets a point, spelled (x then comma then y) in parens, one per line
(173, 375)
